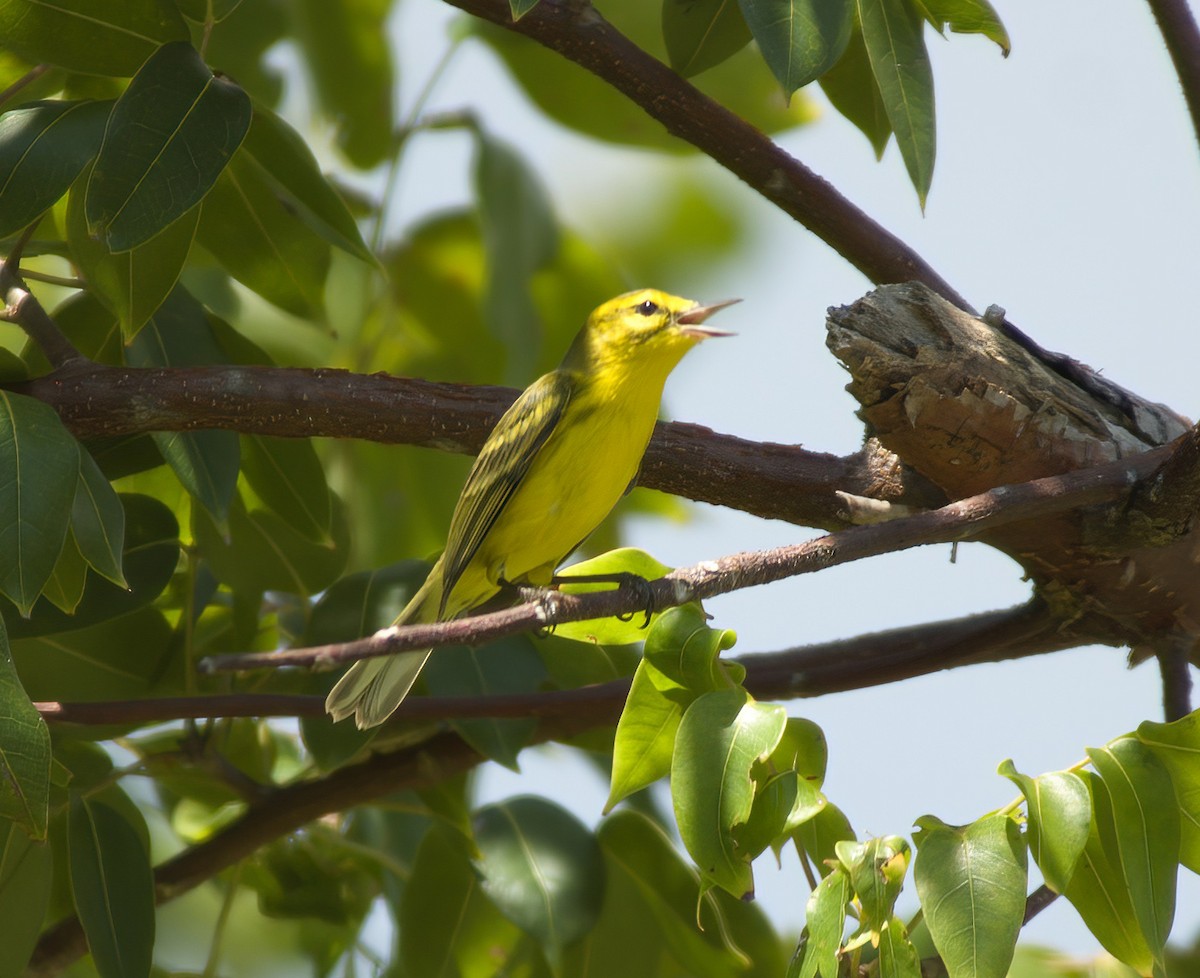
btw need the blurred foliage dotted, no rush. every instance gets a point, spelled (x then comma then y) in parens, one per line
(165, 165)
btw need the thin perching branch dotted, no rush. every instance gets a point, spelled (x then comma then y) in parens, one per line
(22, 309)
(962, 520)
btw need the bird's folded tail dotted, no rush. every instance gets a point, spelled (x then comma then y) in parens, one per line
(371, 689)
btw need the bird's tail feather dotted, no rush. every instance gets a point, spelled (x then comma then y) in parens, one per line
(371, 689)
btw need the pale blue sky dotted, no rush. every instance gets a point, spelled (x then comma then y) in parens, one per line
(1067, 190)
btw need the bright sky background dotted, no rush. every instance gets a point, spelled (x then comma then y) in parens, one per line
(1067, 190)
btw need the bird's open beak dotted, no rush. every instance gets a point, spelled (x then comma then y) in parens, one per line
(692, 319)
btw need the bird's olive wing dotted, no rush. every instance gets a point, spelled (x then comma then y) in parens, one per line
(500, 467)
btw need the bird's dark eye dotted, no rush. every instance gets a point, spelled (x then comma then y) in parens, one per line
(647, 308)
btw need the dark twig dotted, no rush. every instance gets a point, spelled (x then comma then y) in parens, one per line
(579, 33)
(963, 520)
(814, 670)
(1182, 37)
(21, 308)
(32, 75)
(1174, 662)
(1037, 901)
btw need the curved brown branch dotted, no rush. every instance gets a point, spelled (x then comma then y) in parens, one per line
(1025, 630)
(20, 307)
(764, 479)
(962, 520)
(579, 33)
(1179, 31)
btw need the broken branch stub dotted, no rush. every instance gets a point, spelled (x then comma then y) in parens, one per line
(970, 408)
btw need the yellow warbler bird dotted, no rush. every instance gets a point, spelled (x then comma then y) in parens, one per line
(554, 466)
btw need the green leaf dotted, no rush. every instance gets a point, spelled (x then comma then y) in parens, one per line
(133, 283)
(98, 521)
(127, 657)
(1099, 891)
(897, 956)
(609, 631)
(520, 237)
(286, 474)
(799, 39)
(742, 83)
(24, 755)
(507, 666)
(169, 137)
(41, 462)
(285, 157)
(1145, 829)
(542, 867)
(150, 553)
(851, 88)
(877, 869)
(818, 837)
(645, 739)
(65, 588)
(26, 872)
(967, 17)
(262, 242)
(895, 45)
(261, 552)
(770, 819)
(702, 33)
(114, 889)
(645, 870)
(1060, 813)
(825, 919)
(682, 647)
(680, 662)
(206, 462)
(1177, 745)
(347, 53)
(971, 882)
(92, 36)
(721, 736)
(447, 924)
(43, 148)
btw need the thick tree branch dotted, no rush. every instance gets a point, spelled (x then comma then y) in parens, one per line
(579, 33)
(1179, 31)
(962, 520)
(764, 479)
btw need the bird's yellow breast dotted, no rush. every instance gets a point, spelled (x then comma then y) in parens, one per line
(579, 475)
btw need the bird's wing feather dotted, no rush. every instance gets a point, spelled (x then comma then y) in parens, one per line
(502, 464)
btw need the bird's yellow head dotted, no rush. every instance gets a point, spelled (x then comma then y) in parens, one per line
(646, 327)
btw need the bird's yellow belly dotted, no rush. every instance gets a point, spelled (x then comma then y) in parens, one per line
(549, 515)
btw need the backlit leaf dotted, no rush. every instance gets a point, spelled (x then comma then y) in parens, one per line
(721, 736)
(1145, 830)
(1177, 745)
(971, 881)
(895, 44)
(1059, 811)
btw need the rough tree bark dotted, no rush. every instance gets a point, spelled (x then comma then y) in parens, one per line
(957, 400)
